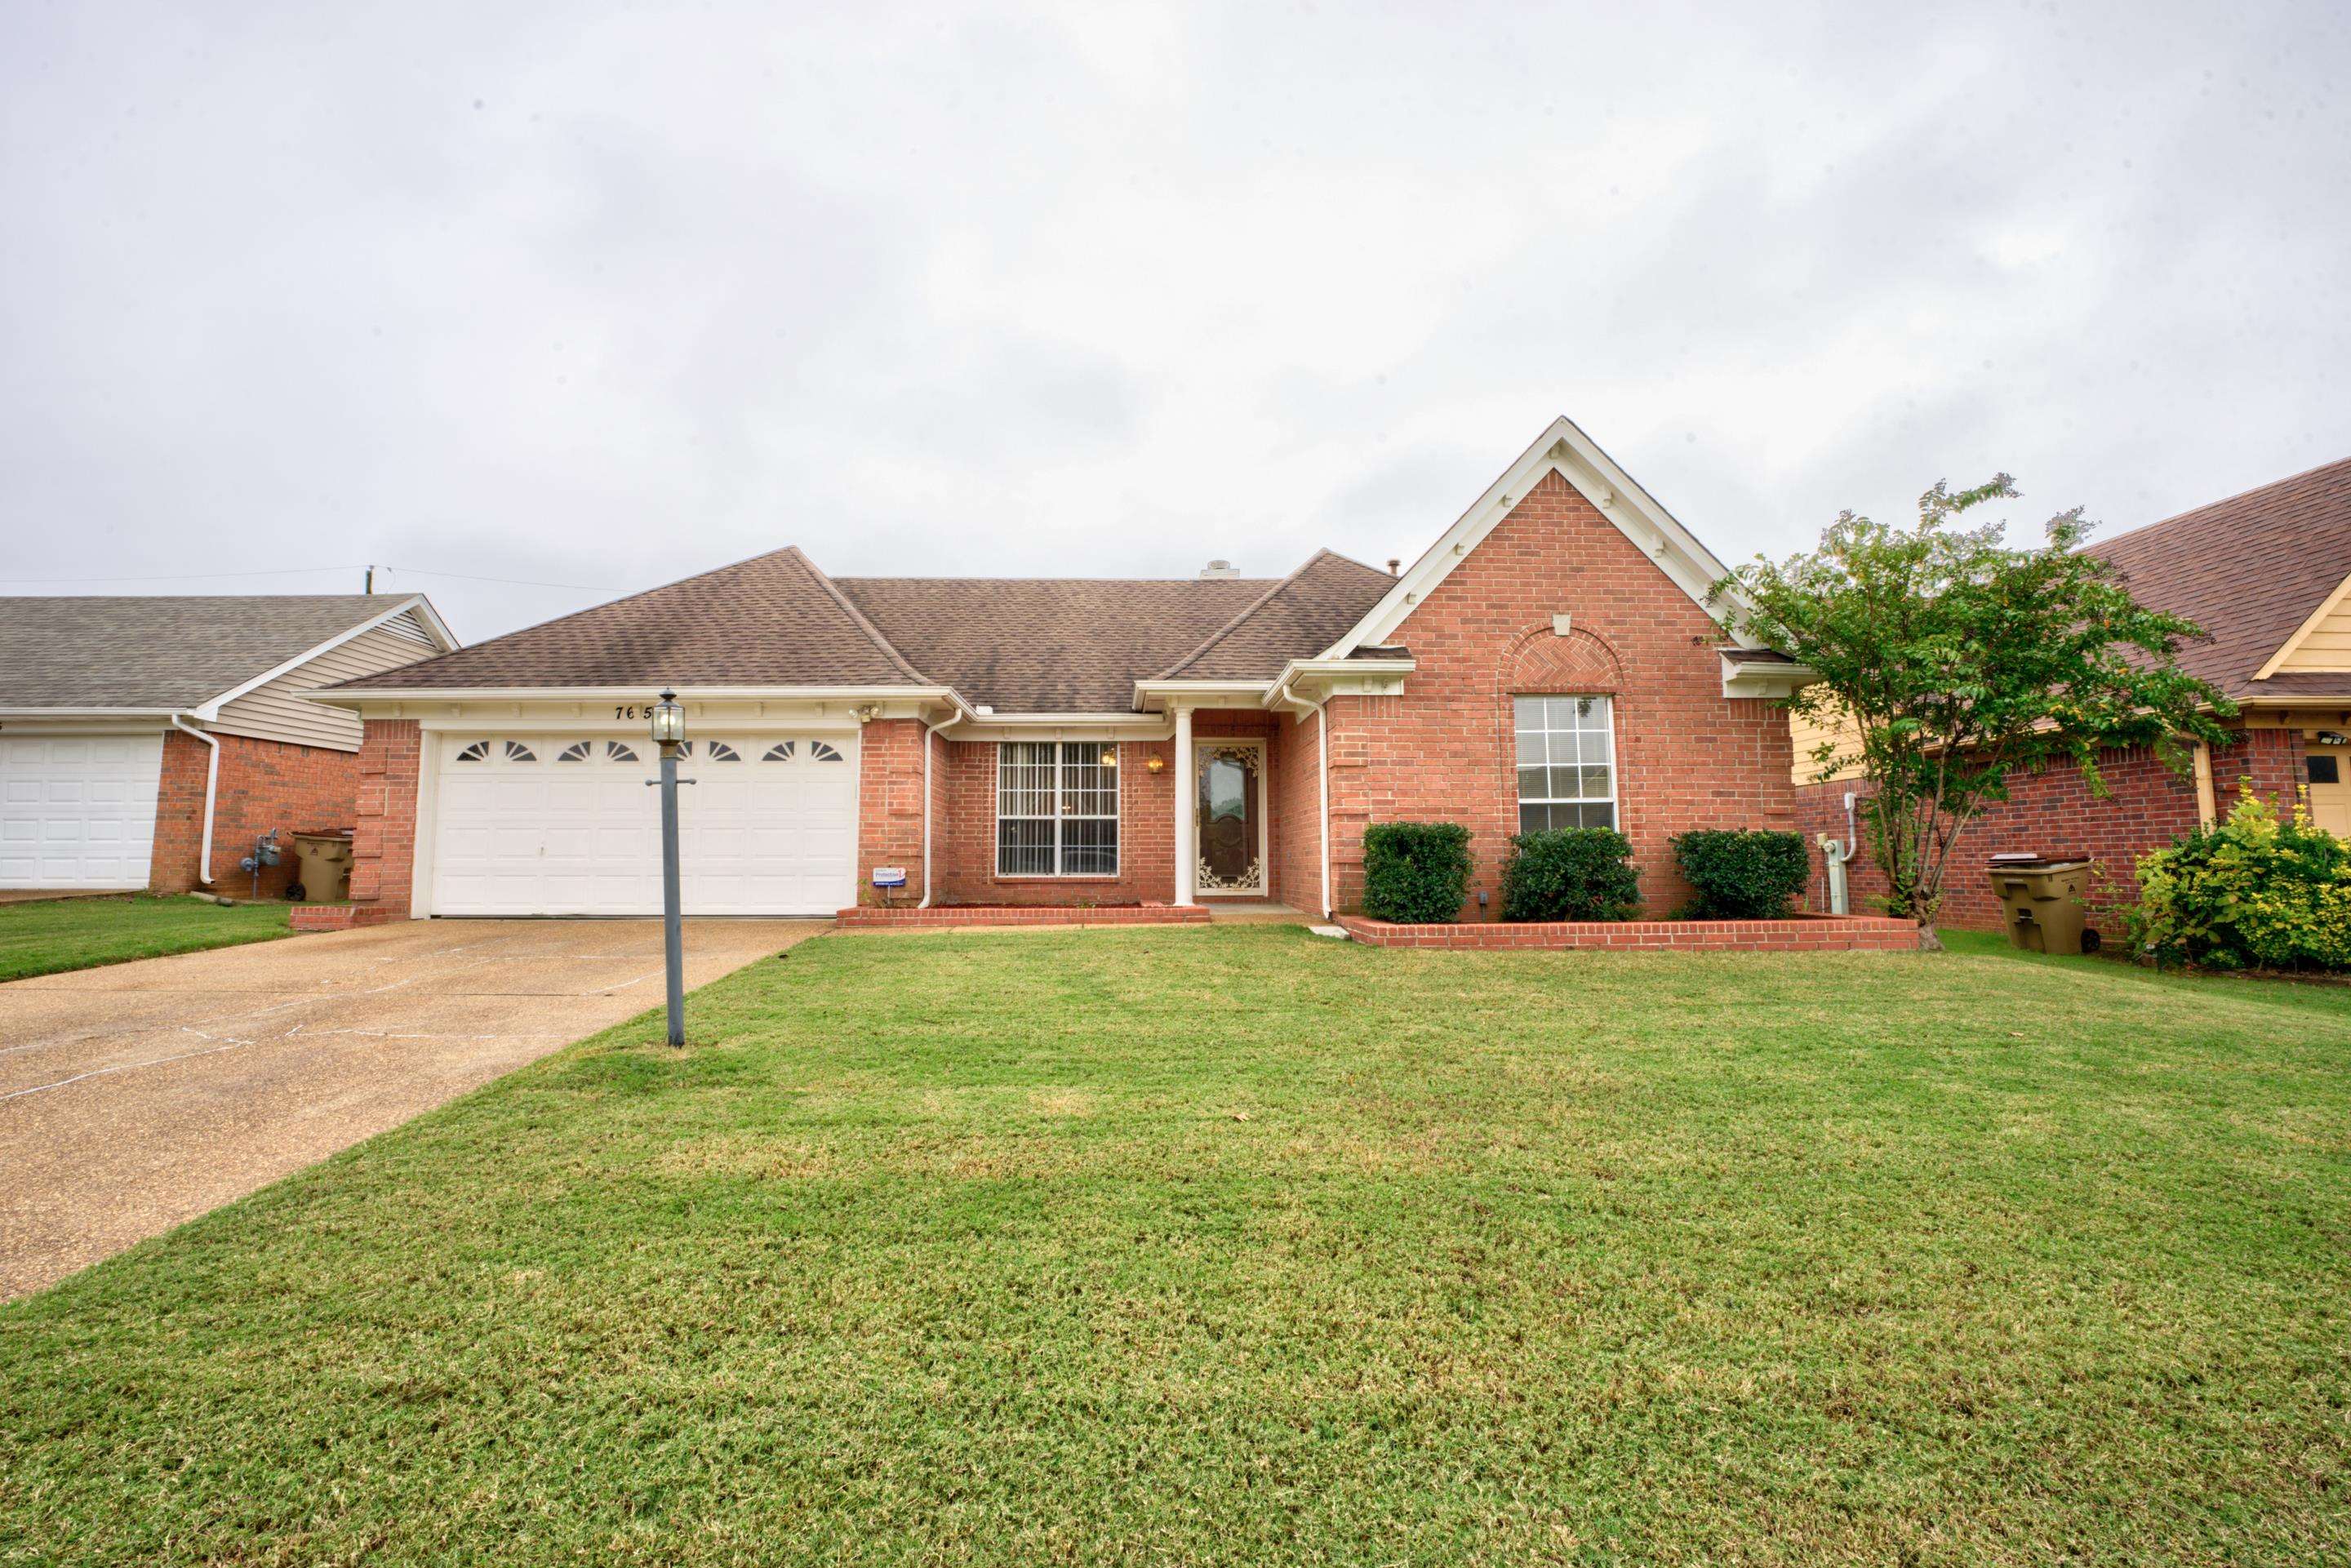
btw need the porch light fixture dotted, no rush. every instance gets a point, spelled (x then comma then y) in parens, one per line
(1155, 764)
(669, 731)
(669, 720)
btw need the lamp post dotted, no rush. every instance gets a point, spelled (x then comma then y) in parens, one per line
(669, 728)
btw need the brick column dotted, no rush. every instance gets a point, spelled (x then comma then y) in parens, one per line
(384, 838)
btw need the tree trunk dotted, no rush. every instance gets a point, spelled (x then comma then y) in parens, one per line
(1929, 942)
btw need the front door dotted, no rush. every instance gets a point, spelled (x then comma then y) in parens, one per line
(1231, 817)
(2330, 788)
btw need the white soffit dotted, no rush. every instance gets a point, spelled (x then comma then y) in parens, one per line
(1612, 492)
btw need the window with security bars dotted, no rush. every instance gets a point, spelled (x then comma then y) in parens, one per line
(1057, 808)
(1567, 763)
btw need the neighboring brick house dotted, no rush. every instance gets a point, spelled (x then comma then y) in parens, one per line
(130, 725)
(1076, 741)
(2267, 575)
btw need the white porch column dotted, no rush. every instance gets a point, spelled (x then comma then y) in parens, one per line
(1187, 786)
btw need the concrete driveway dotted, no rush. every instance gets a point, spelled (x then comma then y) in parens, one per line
(139, 1095)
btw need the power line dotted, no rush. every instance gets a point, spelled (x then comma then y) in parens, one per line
(306, 571)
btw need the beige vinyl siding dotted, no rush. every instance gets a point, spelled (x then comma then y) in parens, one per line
(2326, 646)
(273, 712)
(1808, 733)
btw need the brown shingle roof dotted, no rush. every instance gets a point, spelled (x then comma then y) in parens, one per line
(158, 652)
(2249, 571)
(772, 620)
(1296, 618)
(1016, 645)
(1049, 645)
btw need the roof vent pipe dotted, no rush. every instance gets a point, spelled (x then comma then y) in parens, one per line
(1395, 567)
(1219, 569)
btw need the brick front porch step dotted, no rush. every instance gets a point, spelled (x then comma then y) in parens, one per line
(998, 915)
(1801, 934)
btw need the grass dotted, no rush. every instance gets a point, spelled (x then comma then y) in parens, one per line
(50, 936)
(1235, 1246)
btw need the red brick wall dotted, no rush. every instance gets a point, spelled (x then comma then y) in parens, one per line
(264, 784)
(1294, 801)
(2051, 811)
(1687, 755)
(963, 844)
(890, 806)
(383, 849)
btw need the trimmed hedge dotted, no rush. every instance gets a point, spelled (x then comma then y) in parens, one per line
(1748, 875)
(1570, 873)
(1416, 871)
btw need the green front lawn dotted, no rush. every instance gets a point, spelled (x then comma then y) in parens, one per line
(54, 935)
(1239, 1245)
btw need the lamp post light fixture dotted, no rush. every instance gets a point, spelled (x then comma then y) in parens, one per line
(669, 730)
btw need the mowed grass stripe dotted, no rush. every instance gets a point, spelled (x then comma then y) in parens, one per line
(1236, 1246)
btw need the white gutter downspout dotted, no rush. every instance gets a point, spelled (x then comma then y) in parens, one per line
(1323, 747)
(211, 789)
(929, 733)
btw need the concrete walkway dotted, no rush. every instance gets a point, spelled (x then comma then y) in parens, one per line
(136, 1096)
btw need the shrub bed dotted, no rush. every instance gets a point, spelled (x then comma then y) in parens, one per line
(1570, 873)
(1416, 871)
(1742, 875)
(2254, 891)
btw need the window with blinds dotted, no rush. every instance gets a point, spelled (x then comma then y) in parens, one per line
(1057, 808)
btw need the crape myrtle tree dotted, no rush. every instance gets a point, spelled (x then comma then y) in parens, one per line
(1948, 658)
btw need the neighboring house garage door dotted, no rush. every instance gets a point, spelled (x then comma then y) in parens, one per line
(556, 824)
(78, 812)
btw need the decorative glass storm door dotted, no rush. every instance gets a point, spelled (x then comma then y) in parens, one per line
(1231, 824)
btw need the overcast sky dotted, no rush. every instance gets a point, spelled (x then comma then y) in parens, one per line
(601, 297)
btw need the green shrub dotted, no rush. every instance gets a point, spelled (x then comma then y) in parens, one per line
(1742, 875)
(1570, 873)
(2252, 890)
(1416, 871)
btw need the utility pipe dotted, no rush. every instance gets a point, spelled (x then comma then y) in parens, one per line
(212, 792)
(1322, 749)
(928, 734)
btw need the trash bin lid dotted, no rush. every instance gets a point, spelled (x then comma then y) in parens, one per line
(2033, 859)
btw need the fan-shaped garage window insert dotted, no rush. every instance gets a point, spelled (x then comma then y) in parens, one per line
(575, 752)
(779, 752)
(686, 748)
(721, 752)
(619, 753)
(517, 752)
(820, 752)
(477, 752)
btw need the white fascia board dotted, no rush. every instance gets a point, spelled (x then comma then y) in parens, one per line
(1200, 694)
(27, 712)
(1325, 676)
(210, 711)
(1578, 459)
(1063, 726)
(2316, 619)
(1770, 680)
(374, 697)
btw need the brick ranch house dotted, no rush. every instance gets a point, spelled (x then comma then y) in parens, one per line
(1086, 742)
(2267, 574)
(148, 742)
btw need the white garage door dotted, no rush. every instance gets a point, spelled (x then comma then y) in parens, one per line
(78, 812)
(556, 824)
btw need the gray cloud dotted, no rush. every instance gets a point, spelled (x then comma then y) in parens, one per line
(601, 297)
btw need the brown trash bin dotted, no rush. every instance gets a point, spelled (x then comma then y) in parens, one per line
(2040, 895)
(324, 871)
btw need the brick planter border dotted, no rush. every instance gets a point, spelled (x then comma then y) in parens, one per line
(1801, 934)
(998, 915)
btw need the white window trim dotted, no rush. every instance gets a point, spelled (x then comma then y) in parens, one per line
(1117, 817)
(1616, 754)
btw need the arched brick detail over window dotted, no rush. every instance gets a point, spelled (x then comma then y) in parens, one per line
(1578, 662)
